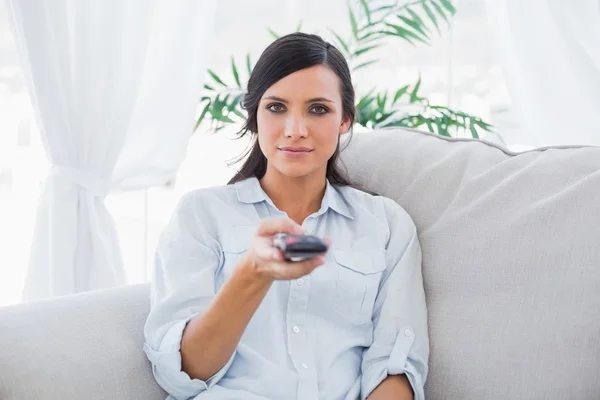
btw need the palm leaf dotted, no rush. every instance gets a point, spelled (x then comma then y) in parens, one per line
(403, 33)
(275, 36)
(383, 8)
(417, 19)
(353, 23)
(362, 65)
(365, 49)
(365, 38)
(448, 6)
(342, 43)
(236, 76)
(399, 93)
(414, 96)
(431, 16)
(216, 78)
(439, 10)
(367, 10)
(415, 25)
(365, 101)
(202, 115)
(248, 64)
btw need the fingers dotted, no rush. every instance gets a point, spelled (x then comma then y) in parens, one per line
(272, 226)
(263, 248)
(294, 270)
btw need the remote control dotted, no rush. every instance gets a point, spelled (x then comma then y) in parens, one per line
(299, 247)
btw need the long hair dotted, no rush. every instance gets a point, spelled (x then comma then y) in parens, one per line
(281, 58)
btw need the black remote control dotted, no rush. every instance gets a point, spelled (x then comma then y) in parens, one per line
(299, 247)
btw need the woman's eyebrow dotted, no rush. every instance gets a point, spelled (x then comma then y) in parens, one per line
(314, 99)
(319, 99)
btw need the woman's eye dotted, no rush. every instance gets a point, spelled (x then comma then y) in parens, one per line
(275, 107)
(320, 110)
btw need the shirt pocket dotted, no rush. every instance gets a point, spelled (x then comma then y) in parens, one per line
(357, 276)
(235, 241)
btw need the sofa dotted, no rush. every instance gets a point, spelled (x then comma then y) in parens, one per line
(511, 263)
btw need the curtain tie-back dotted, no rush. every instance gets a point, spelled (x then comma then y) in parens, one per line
(96, 185)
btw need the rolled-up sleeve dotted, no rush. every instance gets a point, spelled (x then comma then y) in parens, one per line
(400, 337)
(183, 285)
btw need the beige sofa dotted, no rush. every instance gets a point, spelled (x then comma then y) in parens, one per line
(511, 260)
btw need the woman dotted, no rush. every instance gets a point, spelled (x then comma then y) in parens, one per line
(230, 319)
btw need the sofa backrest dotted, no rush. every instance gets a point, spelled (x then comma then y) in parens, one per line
(85, 346)
(511, 260)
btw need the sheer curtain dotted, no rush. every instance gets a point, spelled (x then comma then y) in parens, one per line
(114, 85)
(550, 51)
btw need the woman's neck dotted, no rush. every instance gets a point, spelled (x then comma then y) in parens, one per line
(298, 197)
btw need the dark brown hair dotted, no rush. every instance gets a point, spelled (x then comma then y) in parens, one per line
(281, 58)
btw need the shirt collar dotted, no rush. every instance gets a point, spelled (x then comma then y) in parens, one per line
(249, 191)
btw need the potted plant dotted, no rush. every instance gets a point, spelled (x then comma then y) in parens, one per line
(372, 28)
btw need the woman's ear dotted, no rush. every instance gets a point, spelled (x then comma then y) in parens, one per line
(345, 125)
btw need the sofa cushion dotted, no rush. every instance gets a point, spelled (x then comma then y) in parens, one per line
(510, 257)
(85, 346)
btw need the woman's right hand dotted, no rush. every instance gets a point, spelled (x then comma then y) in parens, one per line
(267, 261)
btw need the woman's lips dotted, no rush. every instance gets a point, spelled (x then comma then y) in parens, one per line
(295, 152)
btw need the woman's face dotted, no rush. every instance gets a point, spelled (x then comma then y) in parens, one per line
(299, 119)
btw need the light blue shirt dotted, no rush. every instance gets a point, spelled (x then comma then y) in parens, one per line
(333, 334)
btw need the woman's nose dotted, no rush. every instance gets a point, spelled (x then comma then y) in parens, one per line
(295, 128)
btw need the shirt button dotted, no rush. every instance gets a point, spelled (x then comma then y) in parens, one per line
(304, 366)
(296, 329)
(300, 282)
(407, 332)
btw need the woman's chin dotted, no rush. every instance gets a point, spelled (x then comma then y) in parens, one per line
(295, 171)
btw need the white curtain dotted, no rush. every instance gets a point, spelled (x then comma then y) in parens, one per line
(114, 85)
(550, 50)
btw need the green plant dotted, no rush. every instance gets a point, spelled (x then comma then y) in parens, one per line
(371, 27)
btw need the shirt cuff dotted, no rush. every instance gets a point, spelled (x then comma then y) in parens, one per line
(166, 366)
(396, 364)
(416, 382)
